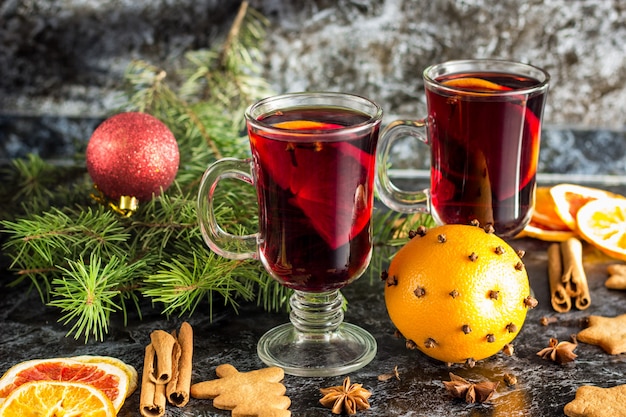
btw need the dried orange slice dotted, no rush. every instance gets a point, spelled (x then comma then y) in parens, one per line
(537, 231)
(603, 224)
(55, 398)
(544, 213)
(545, 223)
(109, 379)
(133, 377)
(569, 198)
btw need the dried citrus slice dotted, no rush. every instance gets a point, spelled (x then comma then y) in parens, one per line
(55, 398)
(537, 231)
(544, 212)
(603, 224)
(133, 378)
(545, 223)
(109, 379)
(569, 198)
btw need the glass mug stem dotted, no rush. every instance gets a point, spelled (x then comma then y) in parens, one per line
(314, 314)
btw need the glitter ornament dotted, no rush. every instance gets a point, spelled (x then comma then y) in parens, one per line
(132, 156)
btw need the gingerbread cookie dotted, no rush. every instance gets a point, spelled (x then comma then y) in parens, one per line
(593, 401)
(607, 332)
(256, 393)
(617, 277)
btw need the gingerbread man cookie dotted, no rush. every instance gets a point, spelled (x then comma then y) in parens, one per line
(256, 393)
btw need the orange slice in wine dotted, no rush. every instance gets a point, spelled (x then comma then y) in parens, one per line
(109, 379)
(306, 125)
(474, 83)
(531, 122)
(334, 197)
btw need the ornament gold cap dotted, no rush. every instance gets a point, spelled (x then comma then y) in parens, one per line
(128, 203)
(126, 206)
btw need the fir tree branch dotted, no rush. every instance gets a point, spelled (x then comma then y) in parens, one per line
(32, 185)
(233, 34)
(40, 244)
(181, 283)
(231, 75)
(86, 293)
(32, 179)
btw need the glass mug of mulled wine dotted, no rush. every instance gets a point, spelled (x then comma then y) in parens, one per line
(483, 129)
(313, 167)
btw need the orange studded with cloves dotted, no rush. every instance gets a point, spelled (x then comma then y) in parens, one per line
(460, 293)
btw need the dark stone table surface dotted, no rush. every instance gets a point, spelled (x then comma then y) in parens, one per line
(30, 330)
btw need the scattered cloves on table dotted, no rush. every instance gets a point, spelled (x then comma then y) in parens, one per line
(393, 374)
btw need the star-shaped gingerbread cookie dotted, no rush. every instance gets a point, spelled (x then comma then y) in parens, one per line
(617, 277)
(607, 332)
(256, 393)
(593, 401)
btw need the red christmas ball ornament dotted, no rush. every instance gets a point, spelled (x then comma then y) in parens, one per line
(132, 155)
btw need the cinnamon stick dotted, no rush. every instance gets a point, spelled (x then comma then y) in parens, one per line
(574, 277)
(152, 398)
(559, 297)
(164, 347)
(177, 389)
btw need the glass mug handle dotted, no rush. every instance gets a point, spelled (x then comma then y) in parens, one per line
(399, 200)
(221, 242)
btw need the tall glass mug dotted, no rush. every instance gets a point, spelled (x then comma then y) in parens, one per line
(483, 129)
(313, 158)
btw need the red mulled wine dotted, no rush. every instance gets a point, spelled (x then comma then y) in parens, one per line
(314, 174)
(485, 149)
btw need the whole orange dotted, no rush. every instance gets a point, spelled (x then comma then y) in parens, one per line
(458, 293)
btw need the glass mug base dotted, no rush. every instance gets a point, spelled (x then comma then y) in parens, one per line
(307, 347)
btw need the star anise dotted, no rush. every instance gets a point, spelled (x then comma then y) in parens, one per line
(559, 352)
(469, 391)
(346, 398)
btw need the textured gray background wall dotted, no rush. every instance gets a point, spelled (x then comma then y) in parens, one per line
(67, 56)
